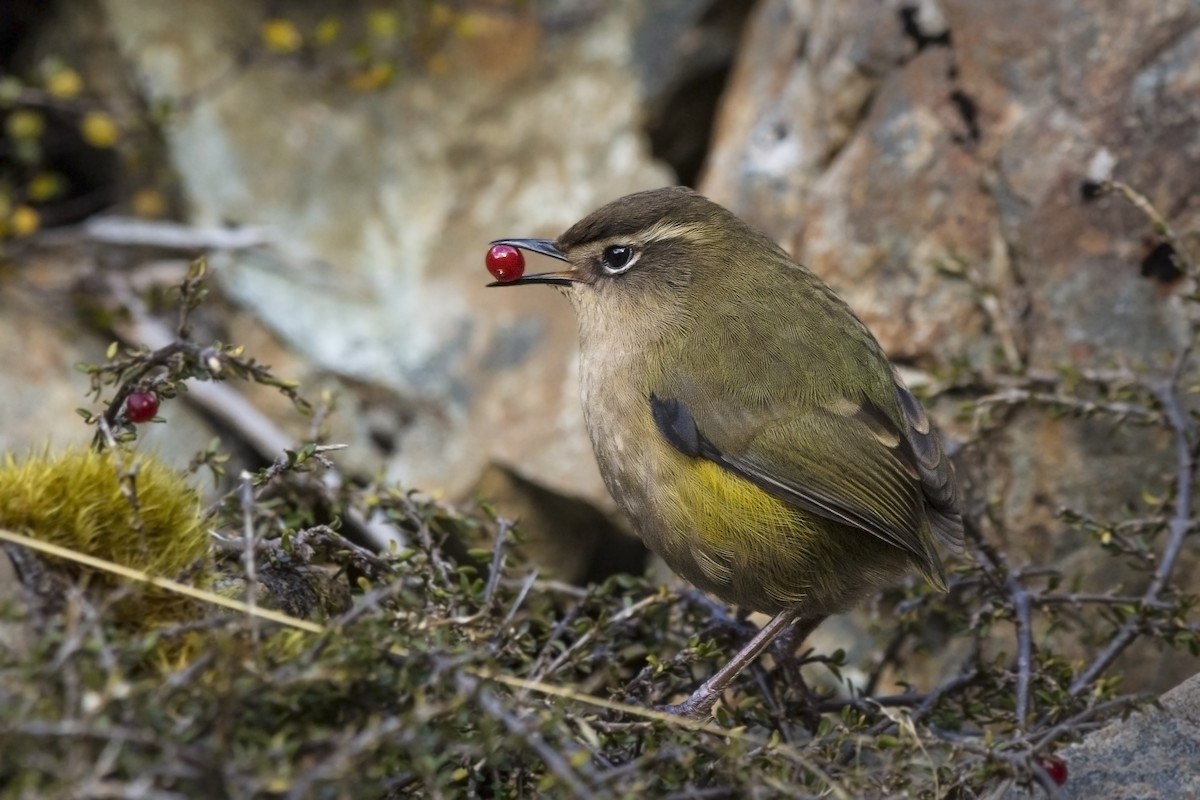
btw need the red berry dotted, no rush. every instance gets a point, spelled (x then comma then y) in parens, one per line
(505, 262)
(141, 406)
(1055, 767)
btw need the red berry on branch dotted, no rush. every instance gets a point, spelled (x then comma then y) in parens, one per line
(141, 406)
(505, 262)
(1055, 767)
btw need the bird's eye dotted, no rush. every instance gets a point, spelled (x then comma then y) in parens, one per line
(618, 258)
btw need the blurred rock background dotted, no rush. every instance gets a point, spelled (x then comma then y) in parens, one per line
(344, 166)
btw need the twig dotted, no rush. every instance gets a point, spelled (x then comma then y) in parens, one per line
(126, 478)
(1002, 323)
(553, 760)
(1157, 220)
(1017, 396)
(1179, 526)
(172, 235)
(248, 545)
(522, 593)
(139, 576)
(620, 616)
(1040, 599)
(228, 407)
(1021, 617)
(1071, 725)
(496, 568)
(339, 761)
(920, 702)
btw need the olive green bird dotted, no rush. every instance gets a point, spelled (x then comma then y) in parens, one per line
(744, 418)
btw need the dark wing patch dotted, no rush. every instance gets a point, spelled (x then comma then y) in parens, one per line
(676, 425)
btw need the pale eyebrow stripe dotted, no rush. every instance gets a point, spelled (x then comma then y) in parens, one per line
(661, 231)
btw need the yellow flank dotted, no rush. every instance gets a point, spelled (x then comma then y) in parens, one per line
(729, 512)
(731, 538)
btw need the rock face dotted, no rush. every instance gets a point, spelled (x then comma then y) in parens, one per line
(383, 203)
(887, 143)
(926, 158)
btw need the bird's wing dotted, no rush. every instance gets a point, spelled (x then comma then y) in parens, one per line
(847, 461)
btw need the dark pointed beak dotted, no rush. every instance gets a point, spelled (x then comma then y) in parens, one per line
(546, 247)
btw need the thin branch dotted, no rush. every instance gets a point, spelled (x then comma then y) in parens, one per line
(172, 235)
(496, 569)
(1024, 623)
(620, 616)
(1017, 396)
(553, 760)
(1039, 599)
(522, 593)
(248, 545)
(1161, 227)
(1180, 525)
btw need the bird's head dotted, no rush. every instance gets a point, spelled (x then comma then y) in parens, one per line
(649, 259)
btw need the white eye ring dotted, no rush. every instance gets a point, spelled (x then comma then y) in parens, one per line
(618, 258)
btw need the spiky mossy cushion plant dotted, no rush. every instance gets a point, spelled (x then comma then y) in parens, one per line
(119, 505)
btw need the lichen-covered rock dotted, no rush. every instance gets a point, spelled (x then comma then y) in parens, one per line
(382, 202)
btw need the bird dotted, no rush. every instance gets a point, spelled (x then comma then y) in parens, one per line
(744, 418)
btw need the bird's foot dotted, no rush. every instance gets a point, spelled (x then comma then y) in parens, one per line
(698, 707)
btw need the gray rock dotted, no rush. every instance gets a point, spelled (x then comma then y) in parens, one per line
(383, 203)
(40, 343)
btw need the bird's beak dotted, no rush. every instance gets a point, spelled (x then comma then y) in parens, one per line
(546, 247)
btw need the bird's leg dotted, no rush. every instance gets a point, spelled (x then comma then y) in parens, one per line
(699, 706)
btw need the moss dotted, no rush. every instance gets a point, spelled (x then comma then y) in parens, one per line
(127, 508)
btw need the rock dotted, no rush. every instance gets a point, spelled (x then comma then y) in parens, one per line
(685, 79)
(383, 202)
(40, 343)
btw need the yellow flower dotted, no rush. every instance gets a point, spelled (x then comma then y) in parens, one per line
(25, 124)
(24, 221)
(99, 129)
(148, 203)
(383, 25)
(64, 84)
(327, 31)
(374, 77)
(281, 36)
(440, 16)
(44, 186)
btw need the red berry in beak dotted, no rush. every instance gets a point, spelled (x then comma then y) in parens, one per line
(505, 262)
